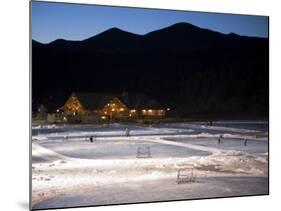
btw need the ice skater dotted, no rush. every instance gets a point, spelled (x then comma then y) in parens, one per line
(92, 139)
(127, 132)
(245, 142)
(219, 139)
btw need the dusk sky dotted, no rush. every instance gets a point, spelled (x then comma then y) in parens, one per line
(51, 21)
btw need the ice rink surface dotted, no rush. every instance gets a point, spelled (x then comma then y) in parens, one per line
(70, 170)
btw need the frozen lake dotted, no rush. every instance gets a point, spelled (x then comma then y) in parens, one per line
(58, 131)
(118, 149)
(66, 165)
(73, 140)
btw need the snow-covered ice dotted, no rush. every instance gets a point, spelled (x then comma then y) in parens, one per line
(68, 170)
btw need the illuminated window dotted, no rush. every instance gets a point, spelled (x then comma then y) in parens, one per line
(121, 109)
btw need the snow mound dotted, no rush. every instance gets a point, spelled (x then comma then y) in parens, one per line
(46, 154)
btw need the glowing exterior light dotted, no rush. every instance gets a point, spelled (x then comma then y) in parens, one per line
(58, 110)
(110, 110)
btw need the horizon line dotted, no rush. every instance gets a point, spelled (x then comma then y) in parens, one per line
(80, 40)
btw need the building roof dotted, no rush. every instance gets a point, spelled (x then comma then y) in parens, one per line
(132, 101)
(93, 100)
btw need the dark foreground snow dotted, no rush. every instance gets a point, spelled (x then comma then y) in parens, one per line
(160, 190)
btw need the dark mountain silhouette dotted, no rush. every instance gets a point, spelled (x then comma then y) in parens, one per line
(193, 70)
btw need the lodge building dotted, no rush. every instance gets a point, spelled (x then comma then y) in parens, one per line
(112, 106)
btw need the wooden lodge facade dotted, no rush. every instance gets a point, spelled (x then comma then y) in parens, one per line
(110, 106)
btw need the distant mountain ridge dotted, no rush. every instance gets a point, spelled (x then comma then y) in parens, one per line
(179, 37)
(164, 63)
(117, 30)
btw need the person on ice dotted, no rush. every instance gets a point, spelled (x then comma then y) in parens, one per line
(92, 139)
(245, 142)
(219, 139)
(127, 132)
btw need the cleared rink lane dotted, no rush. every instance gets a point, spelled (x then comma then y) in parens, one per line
(116, 148)
(251, 146)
